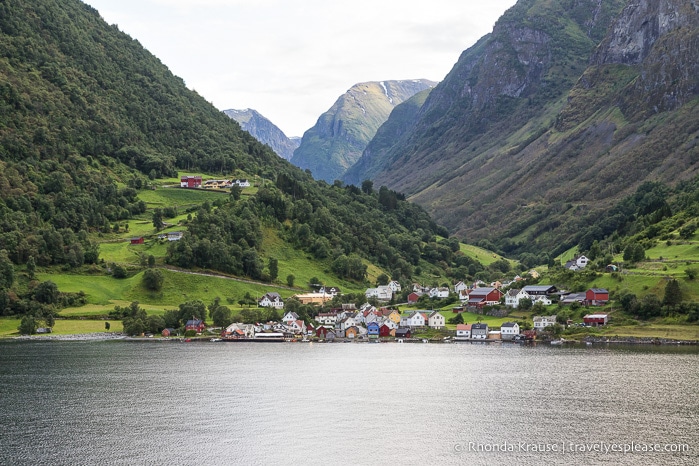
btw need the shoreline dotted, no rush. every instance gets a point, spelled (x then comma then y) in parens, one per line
(104, 336)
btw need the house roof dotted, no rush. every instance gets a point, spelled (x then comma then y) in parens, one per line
(598, 290)
(482, 291)
(535, 288)
(463, 326)
(509, 324)
(402, 331)
(479, 326)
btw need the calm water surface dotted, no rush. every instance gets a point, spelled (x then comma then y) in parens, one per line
(116, 402)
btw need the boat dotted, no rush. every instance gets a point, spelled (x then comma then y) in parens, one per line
(214, 340)
(557, 342)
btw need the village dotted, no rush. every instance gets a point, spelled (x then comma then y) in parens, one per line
(370, 322)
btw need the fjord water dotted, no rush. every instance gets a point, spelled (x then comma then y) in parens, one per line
(118, 402)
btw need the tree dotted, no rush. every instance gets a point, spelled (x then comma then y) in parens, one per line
(525, 304)
(192, 310)
(691, 273)
(151, 261)
(673, 293)
(153, 279)
(367, 187)
(28, 325)
(290, 280)
(382, 280)
(118, 271)
(7, 270)
(458, 319)
(273, 266)
(31, 268)
(46, 292)
(221, 316)
(158, 219)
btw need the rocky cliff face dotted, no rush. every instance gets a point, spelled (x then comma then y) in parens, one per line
(340, 135)
(265, 131)
(562, 109)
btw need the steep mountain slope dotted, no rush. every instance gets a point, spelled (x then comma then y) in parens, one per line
(399, 123)
(340, 135)
(537, 129)
(265, 131)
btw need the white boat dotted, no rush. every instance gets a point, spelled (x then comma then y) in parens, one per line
(557, 342)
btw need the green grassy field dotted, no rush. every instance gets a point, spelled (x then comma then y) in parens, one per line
(104, 292)
(8, 327)
(179, 197)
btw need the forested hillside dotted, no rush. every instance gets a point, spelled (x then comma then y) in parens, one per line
(91, 123)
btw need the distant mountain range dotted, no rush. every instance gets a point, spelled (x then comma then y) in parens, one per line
(265, 131)
(543, 124)
(342, 133)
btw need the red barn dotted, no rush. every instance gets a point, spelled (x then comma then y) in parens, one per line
(597, 296)
(413, 297)
(480, 297)
(138, 240)
(595, 320)
(190, 181)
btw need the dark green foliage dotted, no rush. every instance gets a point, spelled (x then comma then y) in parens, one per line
(673, 293)
(119, 271)
(153, 279)
(273, 267)
(28, 325)
(290, 279)
(7, 271)
(46, 293)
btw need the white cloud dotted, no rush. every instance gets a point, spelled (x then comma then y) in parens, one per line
(292, 60)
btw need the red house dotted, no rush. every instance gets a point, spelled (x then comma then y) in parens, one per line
(385, 331)
(138, 240)
(190, 181)
(196, 325)
(595, 320)
(480, 297)
(596, 296)
(413, 297)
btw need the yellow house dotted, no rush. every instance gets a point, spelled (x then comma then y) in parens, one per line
(395, 316)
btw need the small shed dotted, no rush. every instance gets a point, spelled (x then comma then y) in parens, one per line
(138, 240)
(403, 333)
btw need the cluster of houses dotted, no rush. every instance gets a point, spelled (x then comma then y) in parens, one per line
(188, 181)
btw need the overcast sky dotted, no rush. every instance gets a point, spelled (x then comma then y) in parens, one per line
(291, 59)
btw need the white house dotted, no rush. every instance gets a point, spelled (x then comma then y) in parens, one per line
(394, 286)
(439, 293)
(382, 293)
(508, 330)
(290, 317)
(436, 320)
(463, 296)
(460, 286)
(463, 331)
(331, 290)
(413, 319)
(513, 296)
(297, 327)
(346, 323)
(541, 322)
(242, 183)
(327, 318)
(271, 299)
